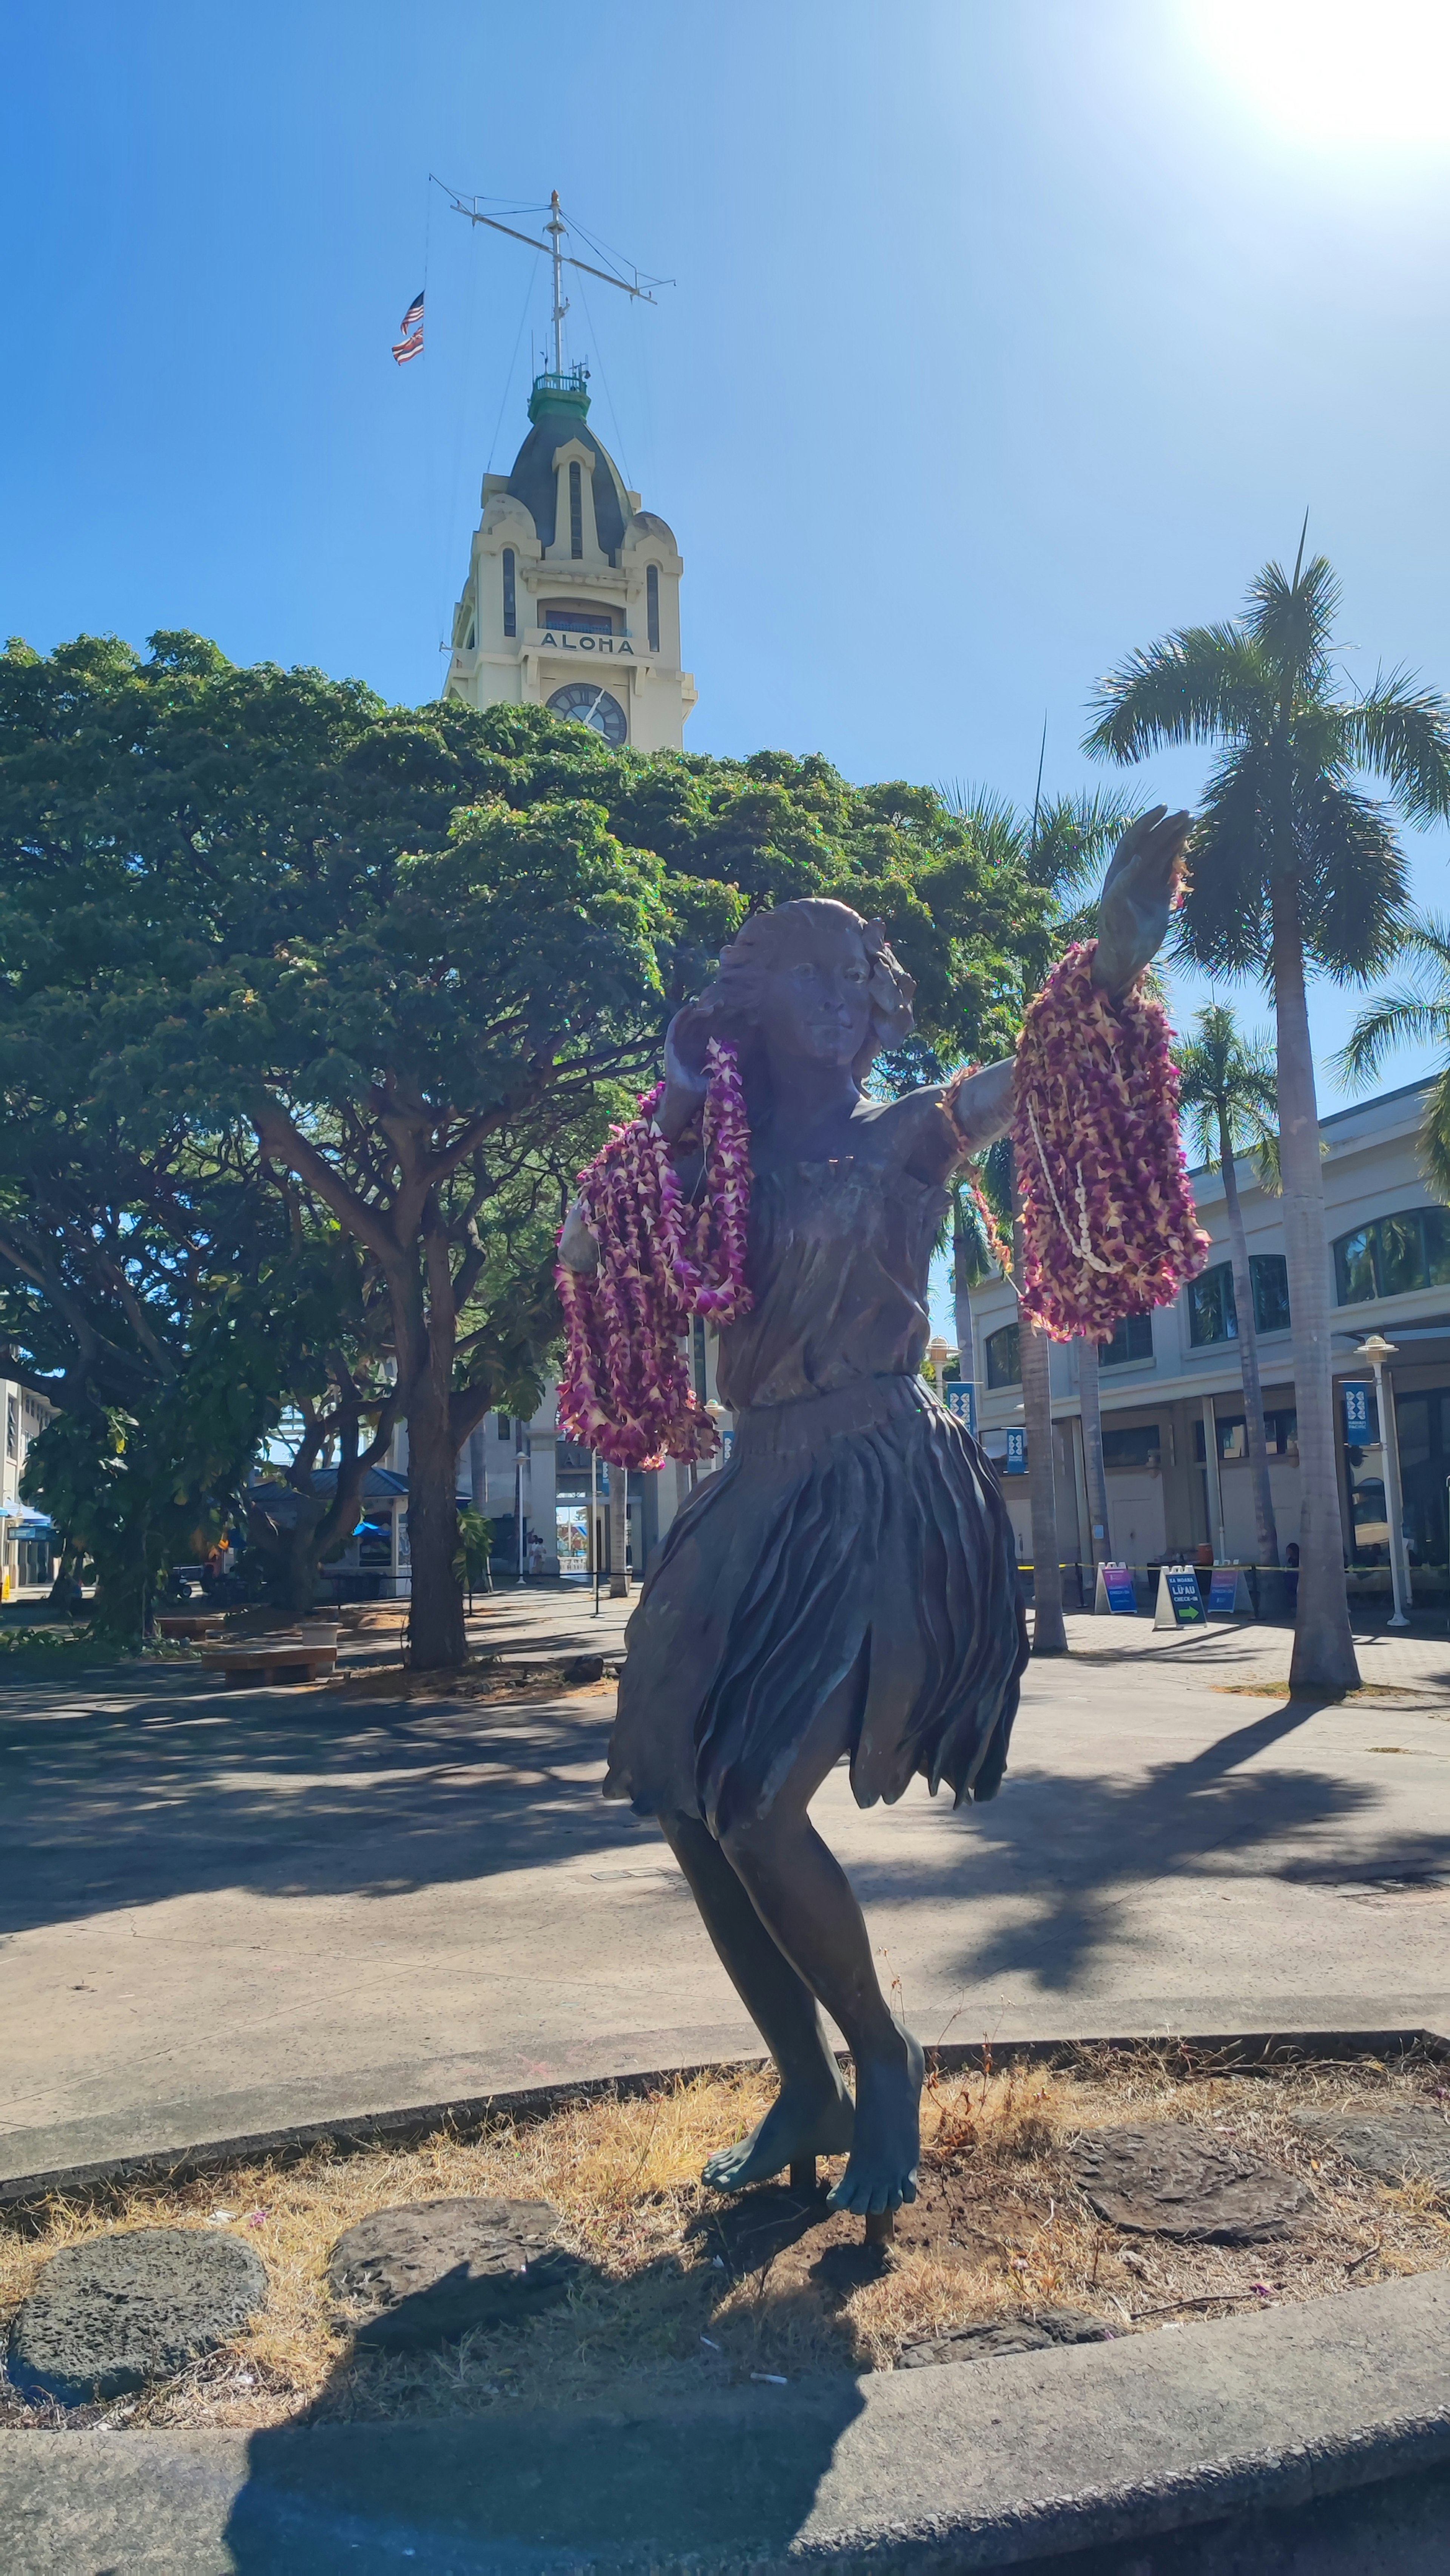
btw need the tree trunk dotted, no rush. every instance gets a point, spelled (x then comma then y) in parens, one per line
(962, 1301)
(1324, 1657)
(1049, 1636)
(618, 1532)
(1266, 1531)
(437, 1638)
(1090, 1398)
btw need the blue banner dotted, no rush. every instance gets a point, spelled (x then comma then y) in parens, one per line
(1016, 1453)
(962, 1401)
(1356, 1415)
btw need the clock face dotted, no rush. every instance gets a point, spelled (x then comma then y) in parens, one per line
(592, 706)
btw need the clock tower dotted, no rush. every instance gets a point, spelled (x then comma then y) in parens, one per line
(572, 599)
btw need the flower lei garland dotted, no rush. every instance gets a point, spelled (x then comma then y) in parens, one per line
(626, 1389)
(1107, 1213)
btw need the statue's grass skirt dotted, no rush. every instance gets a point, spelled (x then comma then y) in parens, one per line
(860, 1531)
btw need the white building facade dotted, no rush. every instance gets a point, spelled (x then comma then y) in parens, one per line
(572, 599)
(27, 1542)
(1172, 1397)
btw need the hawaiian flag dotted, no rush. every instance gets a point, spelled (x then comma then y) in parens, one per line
(411, 326)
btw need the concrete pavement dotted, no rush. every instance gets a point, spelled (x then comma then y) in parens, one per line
(225, 1912)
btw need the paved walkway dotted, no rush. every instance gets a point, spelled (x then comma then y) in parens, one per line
(223, 1911)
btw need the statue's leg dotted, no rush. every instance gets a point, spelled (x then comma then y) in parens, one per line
(813, 2114)
(804, 1899)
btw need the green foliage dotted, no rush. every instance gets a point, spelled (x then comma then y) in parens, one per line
(1419, 1011)
(1282, 801)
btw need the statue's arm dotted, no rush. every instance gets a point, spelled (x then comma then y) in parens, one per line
(1133, 917)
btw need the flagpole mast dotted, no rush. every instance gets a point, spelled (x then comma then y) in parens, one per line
(555, 227)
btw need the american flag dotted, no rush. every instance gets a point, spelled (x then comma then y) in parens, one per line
(411, 326)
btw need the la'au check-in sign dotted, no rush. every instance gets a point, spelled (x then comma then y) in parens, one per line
(1180, 1603)
(1356, 1414)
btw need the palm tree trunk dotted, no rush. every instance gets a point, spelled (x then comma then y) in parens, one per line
(1049, 1636)
(962, 1300)
(1265, 1529)
(1090, 1401)
(1324, 1657)
(618, 1533)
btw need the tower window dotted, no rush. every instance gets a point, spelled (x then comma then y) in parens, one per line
(576, 511)
(510, 594)
(652, 606)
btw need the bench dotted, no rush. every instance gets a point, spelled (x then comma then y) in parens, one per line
(271, 1660)
(184, 1624)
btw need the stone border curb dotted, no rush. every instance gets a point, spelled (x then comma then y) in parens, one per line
(975, 2465)
(194, 2156)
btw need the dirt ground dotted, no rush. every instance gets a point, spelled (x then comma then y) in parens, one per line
(687, 2292)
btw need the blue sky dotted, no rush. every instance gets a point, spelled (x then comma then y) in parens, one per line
(1006, 334)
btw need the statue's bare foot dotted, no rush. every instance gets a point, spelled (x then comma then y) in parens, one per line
(887, 2146)
(803, 2121)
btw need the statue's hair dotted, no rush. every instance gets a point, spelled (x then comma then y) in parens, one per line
(736, 989)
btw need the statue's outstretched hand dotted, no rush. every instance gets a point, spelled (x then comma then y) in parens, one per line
(1137, 897)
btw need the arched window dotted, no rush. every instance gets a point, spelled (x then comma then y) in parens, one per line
(1392, 1255)
(510, 594)
(576, 511)
(652, 606)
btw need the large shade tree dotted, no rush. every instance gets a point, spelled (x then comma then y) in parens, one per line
(1228, 1099)
(418, 958)
(1293, 867)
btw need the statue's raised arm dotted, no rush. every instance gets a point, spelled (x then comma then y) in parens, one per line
(1133, 916)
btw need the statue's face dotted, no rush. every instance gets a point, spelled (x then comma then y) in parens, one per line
(815, 996)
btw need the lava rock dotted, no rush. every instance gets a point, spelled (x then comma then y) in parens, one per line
(1390, 2144)
(998, 2335)
(1171, 2180)
(433, 2270)
(110, 2315)
(584, 1668)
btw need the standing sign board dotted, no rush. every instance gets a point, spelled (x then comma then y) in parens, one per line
(1016, 1453)
(1180, 1604)
(1228, 1594)
(1117, 1591)
(962, 1401)
(1356, 1416)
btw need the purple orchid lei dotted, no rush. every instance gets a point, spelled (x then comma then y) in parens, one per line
(626, 1389)
(1107, 1214)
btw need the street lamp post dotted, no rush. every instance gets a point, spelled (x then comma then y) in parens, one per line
(1377, 1350)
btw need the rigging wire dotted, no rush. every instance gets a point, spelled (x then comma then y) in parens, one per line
(604, 380)
(509, 378)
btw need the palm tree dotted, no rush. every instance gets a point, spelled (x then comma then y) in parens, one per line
(1291, 863)
(972, 1263)
(1228, 1096)
(1420, 1010)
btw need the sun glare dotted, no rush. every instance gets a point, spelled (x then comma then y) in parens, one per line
(1374, 74)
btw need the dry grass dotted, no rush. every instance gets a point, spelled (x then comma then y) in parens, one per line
(688, 2292)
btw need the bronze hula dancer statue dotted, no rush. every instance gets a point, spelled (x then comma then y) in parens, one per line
(846, 1587)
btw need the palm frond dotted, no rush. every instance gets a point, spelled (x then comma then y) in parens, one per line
(1224, 923)
(1435, 1133)
(1192, 686)
(1403, 734)
(1393, 1019)
(1291, 619)
(1354, 898)
(1075, 834)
